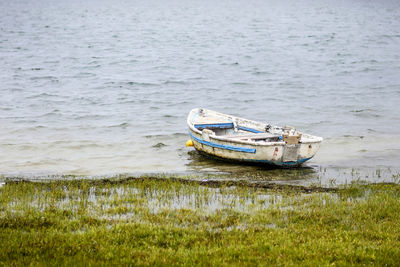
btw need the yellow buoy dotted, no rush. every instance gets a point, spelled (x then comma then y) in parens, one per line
(189, 143)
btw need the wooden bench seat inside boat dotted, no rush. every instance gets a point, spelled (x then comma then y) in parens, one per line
(254, 136)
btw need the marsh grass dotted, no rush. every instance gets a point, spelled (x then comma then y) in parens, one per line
(161, 221)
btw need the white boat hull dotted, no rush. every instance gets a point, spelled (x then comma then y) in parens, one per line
(238, 146)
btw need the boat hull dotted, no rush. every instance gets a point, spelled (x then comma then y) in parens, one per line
(270, 155)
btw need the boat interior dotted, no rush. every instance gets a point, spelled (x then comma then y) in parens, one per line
(238, 132)
(239, 129)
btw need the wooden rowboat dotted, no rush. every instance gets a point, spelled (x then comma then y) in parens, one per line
(239, 139)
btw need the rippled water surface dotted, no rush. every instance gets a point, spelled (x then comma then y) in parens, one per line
(104, 87)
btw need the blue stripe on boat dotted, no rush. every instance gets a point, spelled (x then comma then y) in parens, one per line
(249, 129)
(215, 125)
(233, 148)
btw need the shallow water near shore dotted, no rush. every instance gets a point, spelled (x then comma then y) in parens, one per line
(100, 89)
(159, 221)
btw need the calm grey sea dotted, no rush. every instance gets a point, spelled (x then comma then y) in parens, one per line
(104, 87)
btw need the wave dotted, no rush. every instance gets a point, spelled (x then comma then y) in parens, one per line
(141, 84)
(174, 82)
(121, 125)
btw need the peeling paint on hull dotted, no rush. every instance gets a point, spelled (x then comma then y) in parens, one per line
(276, 164)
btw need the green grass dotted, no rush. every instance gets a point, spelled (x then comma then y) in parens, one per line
(159, 222)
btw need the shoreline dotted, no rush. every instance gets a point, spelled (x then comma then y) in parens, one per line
(302, 177)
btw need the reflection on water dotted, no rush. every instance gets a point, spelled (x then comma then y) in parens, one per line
(201, 163)
(307, 174)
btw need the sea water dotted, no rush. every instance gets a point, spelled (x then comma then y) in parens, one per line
(95, 88)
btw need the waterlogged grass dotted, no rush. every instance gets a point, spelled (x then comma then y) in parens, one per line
(159, 222)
